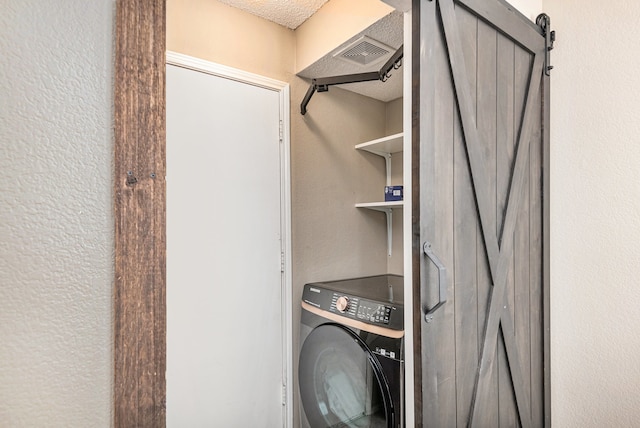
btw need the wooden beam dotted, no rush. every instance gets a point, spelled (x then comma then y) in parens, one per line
(139, 205)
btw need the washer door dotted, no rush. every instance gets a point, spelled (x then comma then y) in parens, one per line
(341, 381)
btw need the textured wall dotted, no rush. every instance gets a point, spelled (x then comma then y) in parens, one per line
(595, 213)
(55, 213)
(331, 238)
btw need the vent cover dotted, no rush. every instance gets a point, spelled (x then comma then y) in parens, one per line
(364, 51)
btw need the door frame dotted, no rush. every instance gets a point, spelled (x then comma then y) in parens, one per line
(283, 91)
(139, 209)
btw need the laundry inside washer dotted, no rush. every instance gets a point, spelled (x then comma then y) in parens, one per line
(351, 363)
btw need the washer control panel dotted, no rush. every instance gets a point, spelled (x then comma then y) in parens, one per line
(365, 310)
(369, 300)
(368, 311)
(373, 312)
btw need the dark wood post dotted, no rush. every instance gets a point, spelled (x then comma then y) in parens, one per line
(139, 205)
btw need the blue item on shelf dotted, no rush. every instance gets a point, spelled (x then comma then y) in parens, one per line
(393, 193)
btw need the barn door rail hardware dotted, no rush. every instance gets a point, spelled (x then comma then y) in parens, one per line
(544, 22)
(442, 282)
(322, 84)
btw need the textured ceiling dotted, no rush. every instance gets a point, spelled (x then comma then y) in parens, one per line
(289, 13)
(292, 13)
(388, 30)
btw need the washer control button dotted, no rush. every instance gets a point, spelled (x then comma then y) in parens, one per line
(342, 304)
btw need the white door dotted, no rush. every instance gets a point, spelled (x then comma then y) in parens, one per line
(224, 230)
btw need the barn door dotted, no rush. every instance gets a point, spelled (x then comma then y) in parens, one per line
(480, 149)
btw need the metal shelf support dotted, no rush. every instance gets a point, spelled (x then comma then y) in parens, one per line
(322, 84)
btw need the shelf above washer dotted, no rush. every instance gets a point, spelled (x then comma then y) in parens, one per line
(381, 206)
(383, 146)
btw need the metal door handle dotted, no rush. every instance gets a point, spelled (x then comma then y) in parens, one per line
(442, 282)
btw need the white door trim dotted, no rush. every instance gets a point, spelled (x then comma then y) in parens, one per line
(407, 221)
(282, 88)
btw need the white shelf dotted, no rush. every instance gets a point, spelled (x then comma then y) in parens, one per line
(384, 146)
(381, 206)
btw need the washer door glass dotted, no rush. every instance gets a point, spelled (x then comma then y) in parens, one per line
(341, 381)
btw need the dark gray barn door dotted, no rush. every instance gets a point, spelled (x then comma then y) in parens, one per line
(480, 149)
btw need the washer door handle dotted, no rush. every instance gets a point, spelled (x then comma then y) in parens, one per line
(442, 282)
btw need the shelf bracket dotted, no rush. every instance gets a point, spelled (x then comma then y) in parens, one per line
(387, 160)
(389, 213)
(322, 84)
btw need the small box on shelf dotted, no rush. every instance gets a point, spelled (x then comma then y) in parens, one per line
(393, 193)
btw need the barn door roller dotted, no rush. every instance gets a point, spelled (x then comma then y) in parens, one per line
(322, 84)
(544, 22)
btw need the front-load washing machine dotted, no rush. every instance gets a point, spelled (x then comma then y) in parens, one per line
(351, 365)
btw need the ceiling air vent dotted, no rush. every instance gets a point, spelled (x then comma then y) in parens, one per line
(364, 51)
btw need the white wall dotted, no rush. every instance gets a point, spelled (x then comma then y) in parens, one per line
(55, 213)
(595, 213)
(529, 8)
(216, 32)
